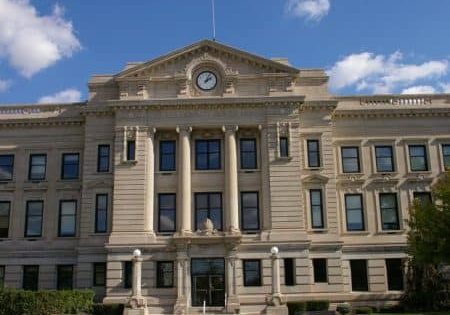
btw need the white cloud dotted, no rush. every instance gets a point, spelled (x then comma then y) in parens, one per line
(313, 10)
(4, 85)
(382, 74)
(65, 96)
(445, 87)
(32, 42)
(420, 89)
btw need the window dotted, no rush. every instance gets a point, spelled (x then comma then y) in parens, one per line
(164, 274)
(101, 213)
(424, 197)
(313, 153)
(289, 271)
(167, 212)
(320, 270)
(2, 277)
(67, 217)
(64, 277)
(354, 212)
(103, 158)
(359, 275)
(38, 164)
(446, 156)
(99, 275)
(315, 198)
(33, 221)
(207, 154)
(167, 155)
(127, 274)
(418, 158)
(252, 272)
(249, 211)
(284, 147)
(384, 158)
(6, 167)
(389, 211)
(208, 205)
(131, 150)
(5, 207)
(350, 159)
(394, 270)
(30, 279)
(70, 166)
(248, 153)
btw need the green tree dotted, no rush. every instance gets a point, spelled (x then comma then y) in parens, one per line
(429, 250)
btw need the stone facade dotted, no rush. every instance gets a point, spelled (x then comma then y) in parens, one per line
(281, 109)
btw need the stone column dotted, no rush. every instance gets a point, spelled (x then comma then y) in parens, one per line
(184, 180)
(265, 185)
(232, 302)
(181, 304)
(150, 182)
(231, 179)
(277, 302)
(137, 304)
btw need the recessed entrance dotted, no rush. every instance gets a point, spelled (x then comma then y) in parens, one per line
(208, 281)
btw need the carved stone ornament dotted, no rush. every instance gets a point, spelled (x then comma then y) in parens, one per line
(207, 228)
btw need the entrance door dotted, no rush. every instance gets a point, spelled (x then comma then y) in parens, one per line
(208, 281)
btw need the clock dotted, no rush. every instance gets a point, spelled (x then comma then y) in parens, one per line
(207, 80)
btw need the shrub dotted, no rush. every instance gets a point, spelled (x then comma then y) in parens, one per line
(343, 308)
(362, 310)
(45, 302)
(296, 308)
(107, 309)
(317, 305)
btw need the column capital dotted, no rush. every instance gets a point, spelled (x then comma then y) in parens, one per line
(230, 128)
(150, 130)
(181, 129)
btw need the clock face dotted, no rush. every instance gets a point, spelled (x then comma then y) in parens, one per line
(206, 80)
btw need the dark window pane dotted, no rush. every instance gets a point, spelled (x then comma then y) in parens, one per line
(446, 155)
(350, 159)
(252, 273)
(289, 271)
(99, 274)
(207, 154)
(30, 279)
(315, 196)
(208, 205)
(65, 277)
(249, 211)
(418, 158)
(320, 270)
(127, 274)
(2, 277)
(167, 212)
(70, 167)
(33, 222)
(359, 275)
(67, 218)
(248, 154)
(394, 270)
(131, 150)
(284, 147)
(167, 158)
(5, 208)
(164, 274)
(6, 167)
(384, 158)
(38, 164)
(313, 153)
(101, 213)
(354, 212)
(103, 158)
(389, 211)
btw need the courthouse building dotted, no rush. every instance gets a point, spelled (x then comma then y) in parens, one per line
(204, 159)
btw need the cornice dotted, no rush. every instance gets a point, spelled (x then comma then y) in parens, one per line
(391, 113)
(322, 105)
(41, 122)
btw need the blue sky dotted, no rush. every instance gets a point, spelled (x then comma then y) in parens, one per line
(49, 49)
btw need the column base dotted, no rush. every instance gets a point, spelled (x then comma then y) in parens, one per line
(180, 307)
(233, 305)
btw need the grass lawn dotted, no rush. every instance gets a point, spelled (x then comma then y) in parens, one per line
(426, 313)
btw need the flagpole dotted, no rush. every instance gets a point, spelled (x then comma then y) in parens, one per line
(213, 20)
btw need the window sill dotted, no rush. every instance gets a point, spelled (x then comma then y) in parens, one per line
(357, 233)
(129, 162)
(284, 158)
(387, 232)
(99, 234)
(314, 169)
(195, 171)
(318, 230)
(249, 171)
(165, 173)
(72, 237)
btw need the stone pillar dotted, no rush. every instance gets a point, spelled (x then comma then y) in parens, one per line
(276, 302)
(231, 179)
(184, 180)
(137, 304)
(150, 183)
(232, 302)
(181, 305)
(265, 185)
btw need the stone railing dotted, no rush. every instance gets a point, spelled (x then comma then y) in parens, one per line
(397, 100)
(18, 111)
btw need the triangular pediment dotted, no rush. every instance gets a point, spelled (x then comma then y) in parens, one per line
(314, 179)
(234, 61)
